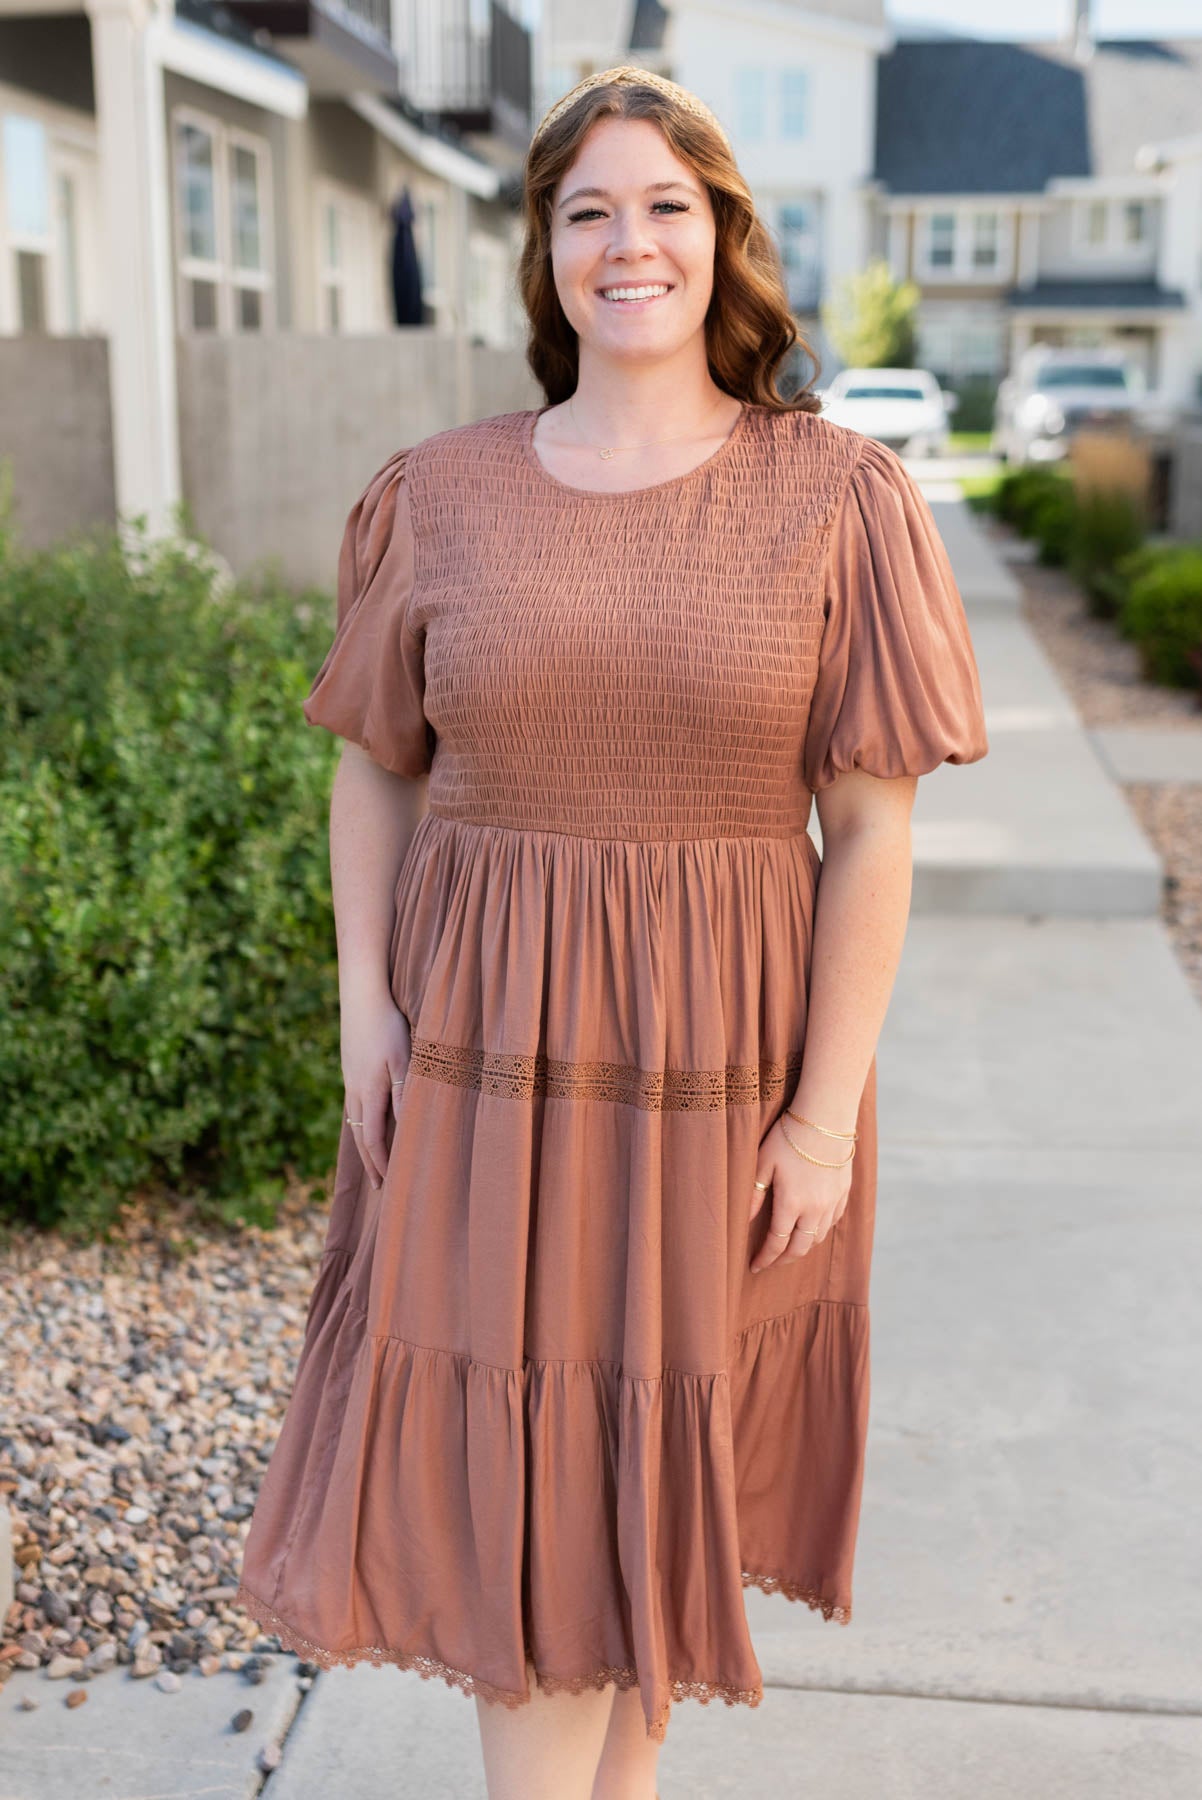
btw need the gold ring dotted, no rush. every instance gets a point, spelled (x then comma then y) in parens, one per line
(353, 1122)
(761, 1184)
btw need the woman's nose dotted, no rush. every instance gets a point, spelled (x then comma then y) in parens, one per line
(629, 236)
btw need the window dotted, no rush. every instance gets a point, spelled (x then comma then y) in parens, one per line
(350, 261)
(1135, 222)
(1112, 227)
(963, 244)
(27, 206)
(222, 227)
(941, 240)
(751, 103)
(67, 229)
(800, 253)
(333, 267)
(794, 102)
(985, 244)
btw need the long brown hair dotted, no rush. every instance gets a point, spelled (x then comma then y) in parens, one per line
(749, 329)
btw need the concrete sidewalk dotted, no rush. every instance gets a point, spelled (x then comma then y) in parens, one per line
(1028, 1603)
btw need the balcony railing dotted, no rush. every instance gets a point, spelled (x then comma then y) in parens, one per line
(476, 72)
(342, 46)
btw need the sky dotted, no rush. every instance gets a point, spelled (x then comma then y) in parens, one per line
(1019, 19)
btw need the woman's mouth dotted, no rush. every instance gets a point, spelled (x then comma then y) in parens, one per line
(635, 295)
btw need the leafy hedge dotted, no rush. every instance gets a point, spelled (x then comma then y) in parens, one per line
(1161, 611)
(166, 937)
(1152, 591)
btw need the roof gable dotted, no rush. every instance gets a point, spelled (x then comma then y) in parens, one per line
(972, 117)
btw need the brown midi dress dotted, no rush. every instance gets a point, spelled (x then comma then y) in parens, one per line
(543, 1410)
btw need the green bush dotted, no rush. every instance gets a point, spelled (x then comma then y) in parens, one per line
(166, 940)
(977, 395)
(1162, 613)
(1020, 492)
(1109, 526)
(1053, 523)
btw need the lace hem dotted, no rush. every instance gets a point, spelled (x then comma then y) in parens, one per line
(798, 1590)
(515, 1077)
(430, 1668)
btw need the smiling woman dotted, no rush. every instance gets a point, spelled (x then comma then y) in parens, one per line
(587, 1354)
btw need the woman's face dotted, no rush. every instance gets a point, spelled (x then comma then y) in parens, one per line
(645, 222)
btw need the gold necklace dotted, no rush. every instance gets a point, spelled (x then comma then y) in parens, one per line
(607, 452)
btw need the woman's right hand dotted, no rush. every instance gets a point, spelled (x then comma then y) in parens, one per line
(375, 1060)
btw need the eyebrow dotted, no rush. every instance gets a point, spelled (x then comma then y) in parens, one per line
(654, 187)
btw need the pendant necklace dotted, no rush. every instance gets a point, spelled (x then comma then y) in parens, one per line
(606, 453)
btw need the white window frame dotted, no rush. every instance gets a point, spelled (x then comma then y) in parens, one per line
(71, 154)
(221, 270)
(358, 276)
(1114, 243)
(963, 269)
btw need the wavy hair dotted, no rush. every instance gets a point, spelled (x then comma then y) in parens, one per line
(749, 328)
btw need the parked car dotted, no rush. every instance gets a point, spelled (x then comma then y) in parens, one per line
(1052, 393)
(904, 408)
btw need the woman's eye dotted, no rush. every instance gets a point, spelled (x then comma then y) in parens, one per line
(590, 211)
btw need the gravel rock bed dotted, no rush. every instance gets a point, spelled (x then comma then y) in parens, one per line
(1101, 673)
(142, 1385)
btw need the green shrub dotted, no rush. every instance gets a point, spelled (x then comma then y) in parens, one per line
(1162, 613)
(166, 941)
(1108, 526)
(1020, 492)
(1053, 523)
(977, 395)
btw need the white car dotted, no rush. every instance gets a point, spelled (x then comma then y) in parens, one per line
(1054, 392)
(904, 408)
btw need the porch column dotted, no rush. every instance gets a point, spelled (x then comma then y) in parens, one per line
(137, 250)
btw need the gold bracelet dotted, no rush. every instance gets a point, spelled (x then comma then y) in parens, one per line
(814, 1159)
(822, 1128)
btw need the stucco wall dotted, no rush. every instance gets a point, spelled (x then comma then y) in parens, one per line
(56, 427)
(279, 434)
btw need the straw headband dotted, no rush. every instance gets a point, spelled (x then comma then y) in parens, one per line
(628, 75)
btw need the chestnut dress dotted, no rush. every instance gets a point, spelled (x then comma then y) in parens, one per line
(543, 1409)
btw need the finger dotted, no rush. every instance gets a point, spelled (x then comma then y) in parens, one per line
(776, 1241)
(760, 1190)
(355, 1119)
(375, 1109)
(397, 1076)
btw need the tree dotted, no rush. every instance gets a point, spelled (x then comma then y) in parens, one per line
(871, 319)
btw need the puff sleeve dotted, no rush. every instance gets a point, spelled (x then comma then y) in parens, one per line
(371, 686)
(897, 690)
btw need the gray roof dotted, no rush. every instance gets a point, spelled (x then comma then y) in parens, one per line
(965, 116)
(1110, 294)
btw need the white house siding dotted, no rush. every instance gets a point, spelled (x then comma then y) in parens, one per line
(724, 51)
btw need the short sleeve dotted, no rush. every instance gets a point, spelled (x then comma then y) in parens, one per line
(371, 686)
(897, 690)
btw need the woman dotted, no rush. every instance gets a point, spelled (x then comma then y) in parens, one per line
(588, 1349)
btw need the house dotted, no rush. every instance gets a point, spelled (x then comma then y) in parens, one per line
(1046, 193)
(198, 217)
(794, 86)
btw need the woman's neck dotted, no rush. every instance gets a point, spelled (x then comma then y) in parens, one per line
(617, 404)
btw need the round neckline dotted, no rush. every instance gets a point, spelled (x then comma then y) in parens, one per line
(652, 487)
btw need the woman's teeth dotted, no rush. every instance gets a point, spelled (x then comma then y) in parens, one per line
(633, 293)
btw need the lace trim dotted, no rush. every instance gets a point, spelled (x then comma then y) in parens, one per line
(799, 1590)
(430, 1668)
(654, 1090)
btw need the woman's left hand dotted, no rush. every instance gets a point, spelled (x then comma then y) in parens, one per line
(806, 1200)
